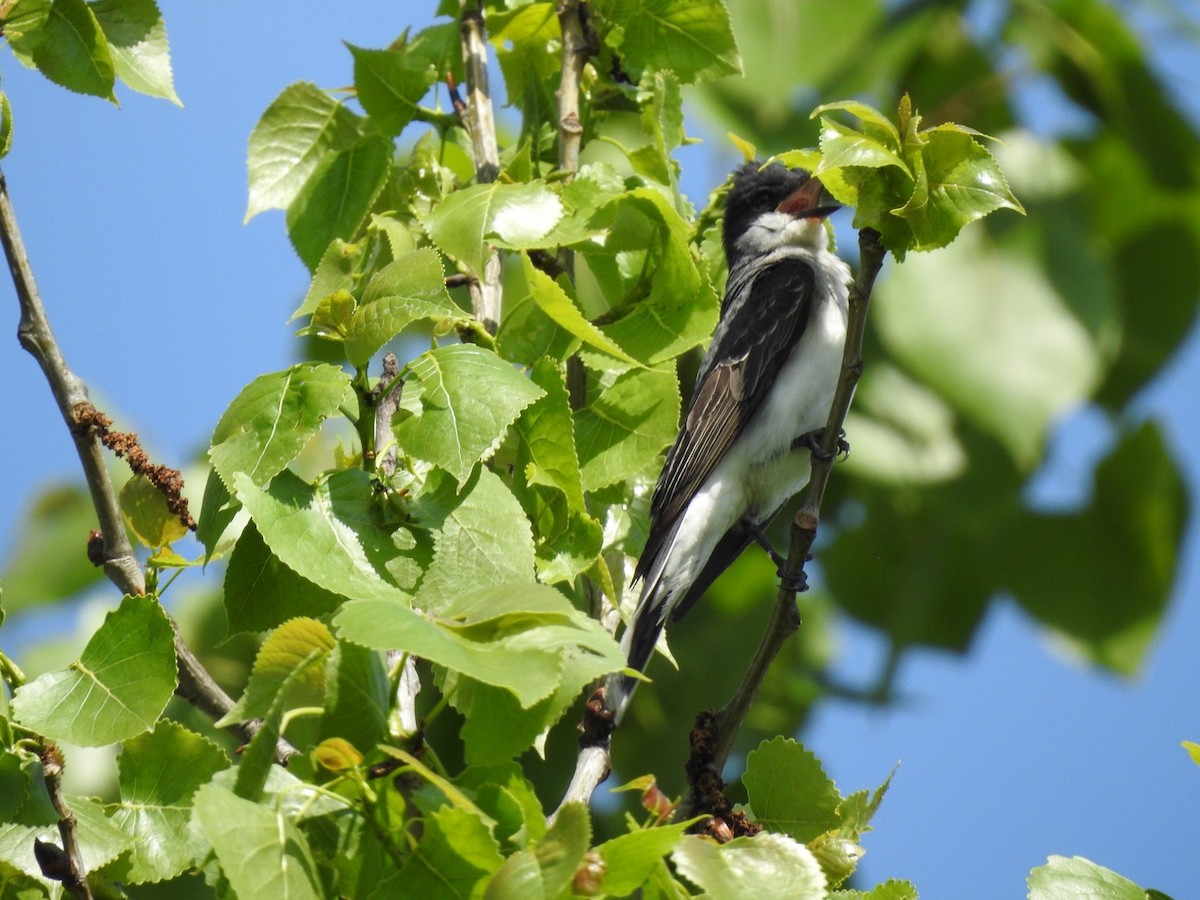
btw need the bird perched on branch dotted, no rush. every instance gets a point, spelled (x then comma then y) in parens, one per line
(763, 389)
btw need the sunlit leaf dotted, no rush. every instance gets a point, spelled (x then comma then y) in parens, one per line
(298, 130)
(692, 38)
(117, 688)
(407, 290)
(137, 40)
(518, 215)
(334, 201)
(260, 850)
(457, 422)
(159, 773)
(273, 419)
(764, 865)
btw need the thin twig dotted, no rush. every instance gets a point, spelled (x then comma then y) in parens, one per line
(785, 617)
(388, 392)
(576, 49)
(65, 866)
(481, 124)
(120, 565)
(593, 763)
(71, 394)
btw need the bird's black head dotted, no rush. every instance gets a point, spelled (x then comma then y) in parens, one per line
(756, 191)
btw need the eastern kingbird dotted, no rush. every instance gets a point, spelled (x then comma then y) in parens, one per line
(766, 383)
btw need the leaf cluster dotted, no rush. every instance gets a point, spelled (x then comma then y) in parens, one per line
(474, 504)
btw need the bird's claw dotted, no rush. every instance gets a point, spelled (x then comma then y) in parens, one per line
(797, 583)
(812, 441)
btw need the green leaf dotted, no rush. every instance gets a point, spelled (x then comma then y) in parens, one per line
(1107, 606)
(843, 147)
(288, 675)
(100, 841)
(49, 528)
(405, 291)
(328, 533)
(679, 310)
(622, 431)
(6, 125)
(159, 773)
(218, 509)
(455, 854)
(390, 626)
(1193, 750)
(389, 83)
(515, 637)
(630, 859)
(889, 890)
(261, 592)
(904, 433)
(331, 317)
(146, 513)
(335, 200)
(137, 40)
(260, 850)
(273, 418)
(357, 696)
(296, 646)
(693, 38)
(484, 541)
(117, 688)
(548, 869)
(555, 303)
(1069, 879)
(456, 422)
(1039, 358)
(960, 182)
(789, 791)
(504, 793)
(301, 127)
(515, 215)
(337, 271)
(70, 49)
(876, 125)
(18, 885)
(548, 439)
(499, 727)
(767, 865)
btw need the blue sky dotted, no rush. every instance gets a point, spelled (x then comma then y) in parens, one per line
(167, 305)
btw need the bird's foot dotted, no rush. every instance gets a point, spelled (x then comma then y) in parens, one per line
(797, 583)
(812, 441)
(755, 532)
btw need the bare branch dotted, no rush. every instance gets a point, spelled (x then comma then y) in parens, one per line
(481, 124)
(593, 763)
(785, 618)
(71, 394)
(120, 565)
(577, 46)
(65, 865)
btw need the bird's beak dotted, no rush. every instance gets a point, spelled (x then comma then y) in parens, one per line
(805, 201)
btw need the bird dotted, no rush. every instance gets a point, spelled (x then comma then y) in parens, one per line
(763, 392)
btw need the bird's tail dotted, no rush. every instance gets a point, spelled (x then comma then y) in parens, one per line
(639, 640)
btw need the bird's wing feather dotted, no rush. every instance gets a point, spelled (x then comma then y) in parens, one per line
(750, 347)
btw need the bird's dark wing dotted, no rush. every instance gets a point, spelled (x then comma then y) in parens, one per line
(751, 345)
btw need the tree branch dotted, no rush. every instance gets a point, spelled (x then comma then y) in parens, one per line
(481, 125)
(71, 394)
(34, 334)
(65, 865)
(576, 48)
(785, 618)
